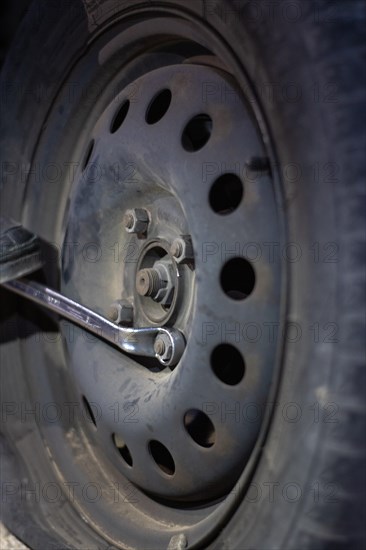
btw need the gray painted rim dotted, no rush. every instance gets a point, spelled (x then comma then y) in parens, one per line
(185, 435)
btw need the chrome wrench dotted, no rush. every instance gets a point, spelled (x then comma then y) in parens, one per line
(165, 344)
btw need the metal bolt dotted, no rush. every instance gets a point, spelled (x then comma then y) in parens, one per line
(159, 346)
(182, 249)
(121, 312)
(128, 221)
(163, 347)
(149, 282)
(136, 221)
(157, 282)
(178, 542)
(176, 248)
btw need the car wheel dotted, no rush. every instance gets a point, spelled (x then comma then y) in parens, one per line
(197, 165)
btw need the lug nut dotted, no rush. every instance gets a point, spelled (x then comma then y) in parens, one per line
(182, 250)
(163, 347)
(176, 248)
(129, 221)
(136, 221)
(121, 313)
(159, 346)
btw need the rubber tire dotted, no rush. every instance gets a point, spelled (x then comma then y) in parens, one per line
(315, 49)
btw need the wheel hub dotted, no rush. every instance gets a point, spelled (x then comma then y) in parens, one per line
(157, 283)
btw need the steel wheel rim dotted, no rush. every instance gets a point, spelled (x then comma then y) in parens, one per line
(209, 507)
(172, 407)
